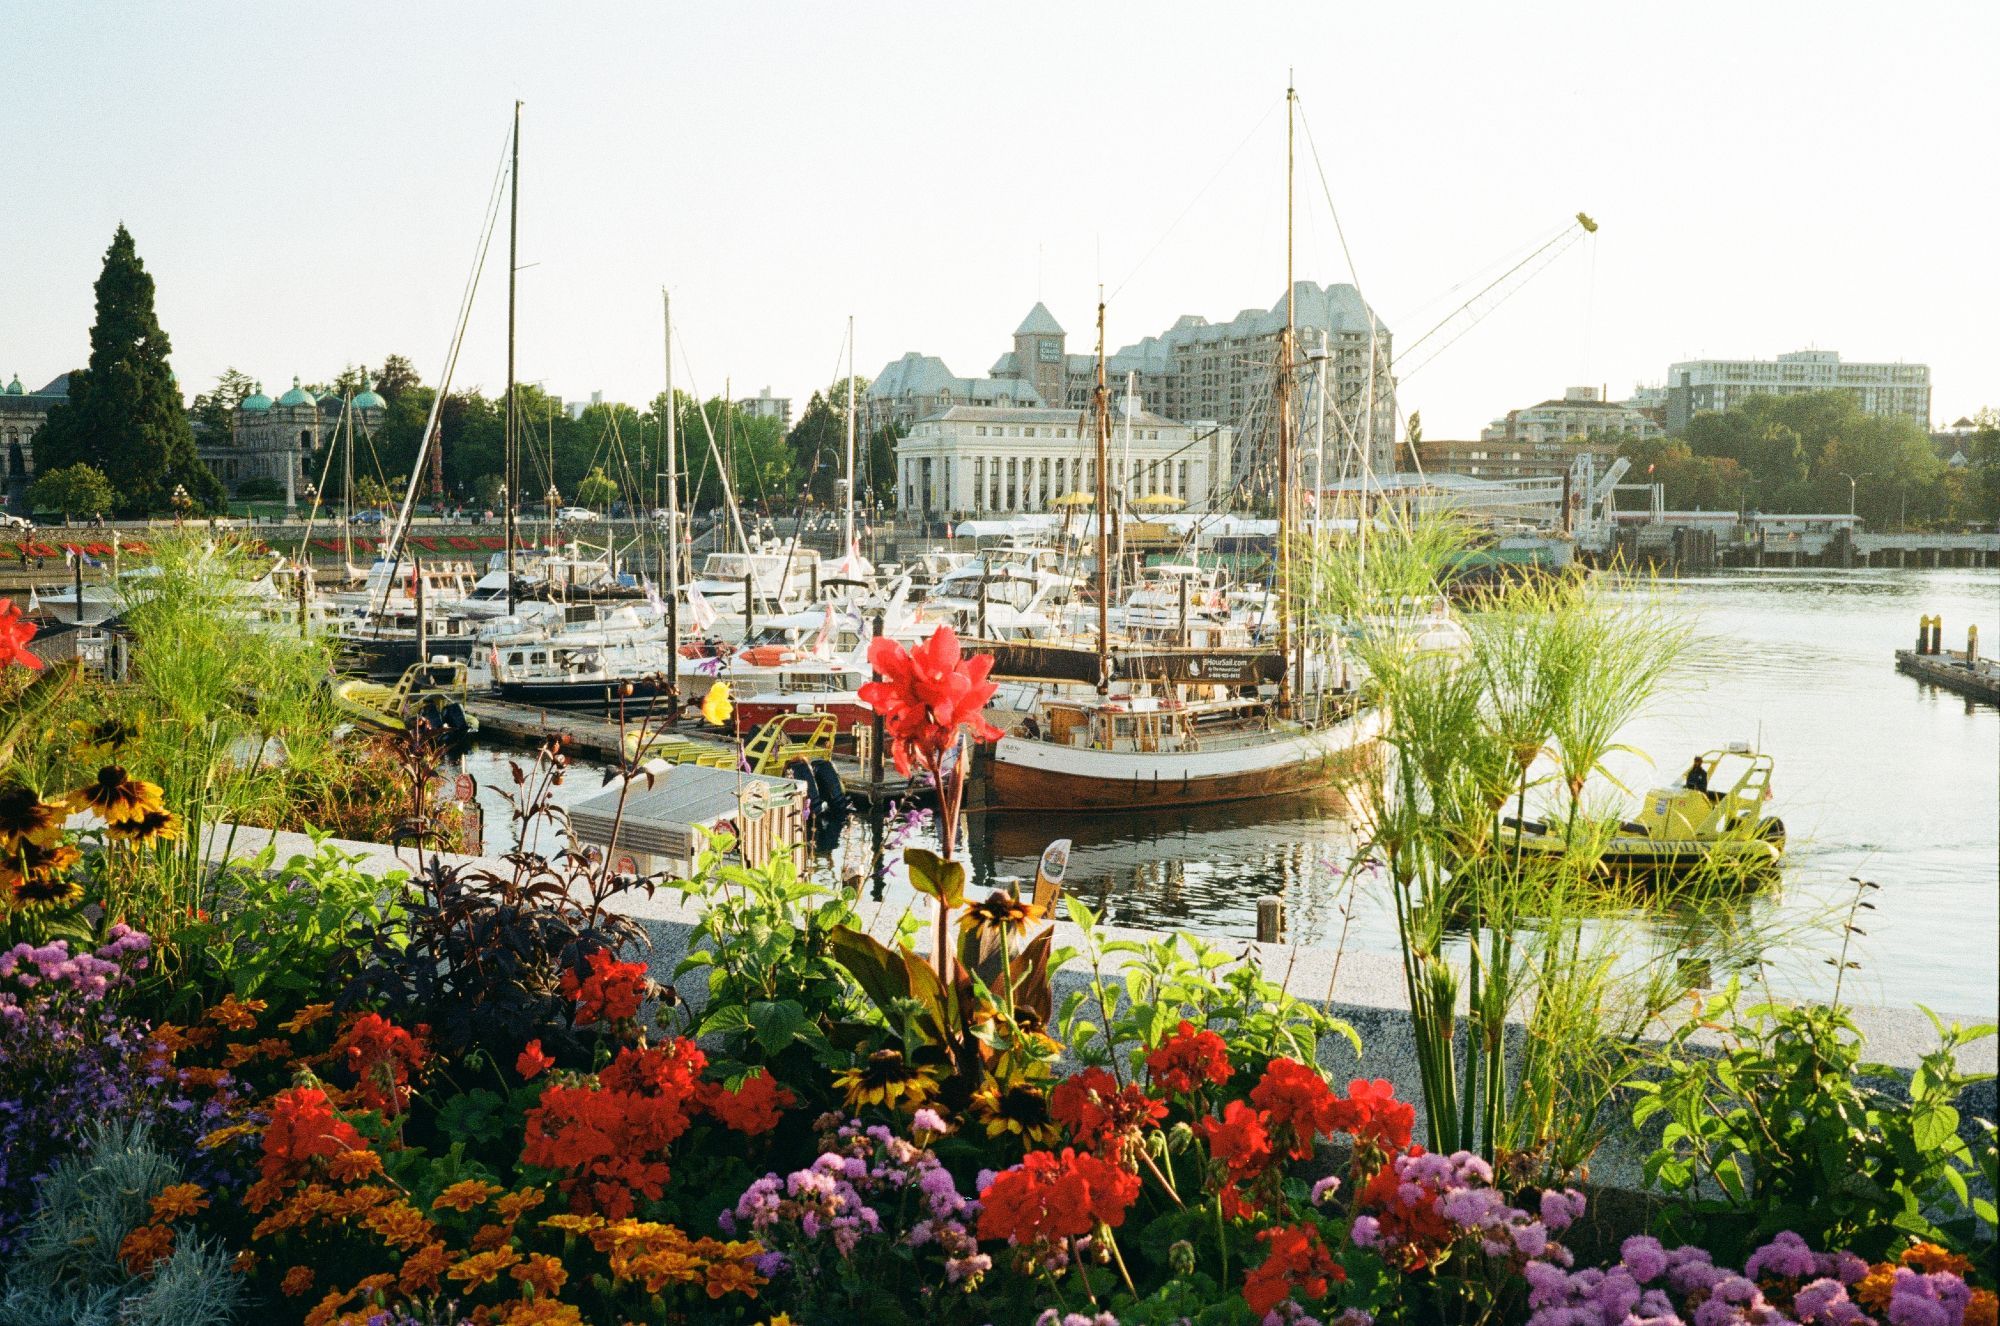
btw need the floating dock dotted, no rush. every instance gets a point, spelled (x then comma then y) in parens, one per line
(601, 738)
(1979, 679)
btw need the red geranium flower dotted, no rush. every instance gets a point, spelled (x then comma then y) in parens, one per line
(1372, 1114)
(532, 1061)
(753, 1108)
(1049, 1197)
(1297, 1103)
(1187, 1059)
(611, 992)
(381, 1055)
(1298, 1260)
(1102, 1115)
(14, 637)
(303, 1125)
(612, 1139)
(927, 694)
(1239, 1139)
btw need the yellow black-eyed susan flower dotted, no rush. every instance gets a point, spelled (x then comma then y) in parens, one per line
(118, 797)
(889, 1080)
(151, 827)
(32, 875)
(1000, 911)
(24, 815)
(1021, 1109)
(107, 735)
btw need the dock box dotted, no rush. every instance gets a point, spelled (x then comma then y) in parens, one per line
(656, 833)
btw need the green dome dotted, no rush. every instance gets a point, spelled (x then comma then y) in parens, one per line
(367, 399)
(297, 398)
(14, 388)
(256, 400)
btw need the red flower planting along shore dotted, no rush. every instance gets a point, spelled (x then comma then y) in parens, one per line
(474, 1103)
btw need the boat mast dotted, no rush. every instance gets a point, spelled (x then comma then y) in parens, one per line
(1103, 431)
(847, 529)
(673, 517)
(1284, 411)
(347, 494)
(510, 446)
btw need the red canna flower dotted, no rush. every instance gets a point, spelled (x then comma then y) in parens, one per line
(1189, 1059)
(14, 637)
(611, 992)
(1298, 1260)
(1298, 1105)
(1048, 1197)
(532, 1062)
(926, 695)
(1100, 1114)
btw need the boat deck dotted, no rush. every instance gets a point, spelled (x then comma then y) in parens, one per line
(600, 738)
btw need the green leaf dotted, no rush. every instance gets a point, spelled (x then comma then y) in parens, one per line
(474, 1117)
(777, 1023)
(935, 877)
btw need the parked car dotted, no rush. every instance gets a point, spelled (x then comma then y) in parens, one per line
(372, 516)
(576, 513)
(8, 520)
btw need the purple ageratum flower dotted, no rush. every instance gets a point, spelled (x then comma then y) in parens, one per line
(1785, 1257)
(1324, 1190)
(1562, 1209)
(1367, 1232)
(1917, 1299)
(928, 1121)
(1644, 1258)
(1815, 1302)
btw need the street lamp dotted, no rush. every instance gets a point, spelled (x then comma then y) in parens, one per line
(182, 503)
(1853, 479)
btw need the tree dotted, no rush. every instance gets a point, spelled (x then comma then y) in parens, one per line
(79, 489)
(597, 490)
(370, 491)
(1984, 455)
(215, 411)
(124, 414)
(818, 444)
(396, 376)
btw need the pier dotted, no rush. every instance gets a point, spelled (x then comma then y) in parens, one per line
(1962, 671)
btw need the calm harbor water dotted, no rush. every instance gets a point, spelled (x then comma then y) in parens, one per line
(1877, 776)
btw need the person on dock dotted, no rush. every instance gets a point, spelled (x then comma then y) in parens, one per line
(1696, 778)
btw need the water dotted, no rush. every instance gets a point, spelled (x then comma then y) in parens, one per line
(1877, 776)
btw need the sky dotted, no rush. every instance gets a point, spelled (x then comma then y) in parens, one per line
(308, 184)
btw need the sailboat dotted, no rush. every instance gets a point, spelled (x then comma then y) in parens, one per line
(1196, 738)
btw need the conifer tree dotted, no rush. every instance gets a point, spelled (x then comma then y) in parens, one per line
(124, 413)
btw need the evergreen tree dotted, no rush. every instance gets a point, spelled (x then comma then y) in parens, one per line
(124, 415)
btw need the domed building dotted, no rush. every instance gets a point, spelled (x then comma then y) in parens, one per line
(22, 413)
(282, 440)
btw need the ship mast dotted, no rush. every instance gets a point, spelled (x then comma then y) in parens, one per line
(1103, 430)
(511, 444)
(1284, 412)
(673, 576)
(847, 523)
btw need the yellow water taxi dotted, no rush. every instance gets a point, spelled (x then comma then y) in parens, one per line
(437, 689)
(1681, 829)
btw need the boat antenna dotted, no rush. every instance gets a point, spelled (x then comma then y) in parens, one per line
(1103, 430)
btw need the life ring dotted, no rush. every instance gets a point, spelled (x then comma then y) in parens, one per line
(767, 656)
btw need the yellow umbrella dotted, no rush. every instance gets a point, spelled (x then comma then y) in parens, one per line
(1158, 500)
(1074, 499)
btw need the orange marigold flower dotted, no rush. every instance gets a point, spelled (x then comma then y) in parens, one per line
(172, 1037)
(225, 1135)
(488, 1237)
(541, 1312)
(1982, 1309)
(306, 1017)
(354, 1166)
(178, 1200)
(571, 1223)
(512, 1206)
(1931, 1259)
(297, 1281)
(483, 1268)
(323, 1311)
(423, 1269)
(144, 1246)
(464, 1195)
(544, 1274)
(1873, 1291)
(733, 1277)
(236, 1014)
(399, 1225)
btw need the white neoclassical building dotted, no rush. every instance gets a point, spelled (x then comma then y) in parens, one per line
(991, 460)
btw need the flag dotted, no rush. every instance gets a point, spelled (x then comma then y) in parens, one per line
(825, 629)
(699, 613)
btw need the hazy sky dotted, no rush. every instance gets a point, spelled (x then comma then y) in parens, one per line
(306, 183)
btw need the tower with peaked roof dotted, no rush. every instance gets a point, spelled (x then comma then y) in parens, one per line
(1039, 356)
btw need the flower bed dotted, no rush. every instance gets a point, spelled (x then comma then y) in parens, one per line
(458, 1097)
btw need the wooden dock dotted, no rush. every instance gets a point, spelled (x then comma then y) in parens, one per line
(1976, 678)
(600, 738)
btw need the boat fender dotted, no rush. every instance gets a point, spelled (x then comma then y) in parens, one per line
(802, 772)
